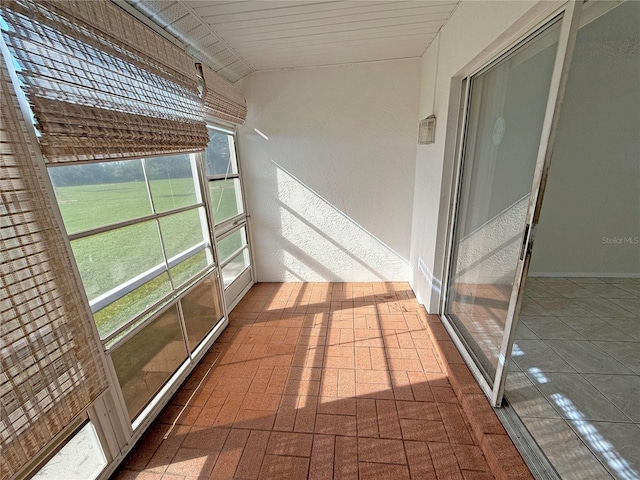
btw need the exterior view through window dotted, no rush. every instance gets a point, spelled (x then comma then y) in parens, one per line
(141, 239)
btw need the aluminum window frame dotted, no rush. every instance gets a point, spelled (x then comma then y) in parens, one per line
(73, 430)
(223, 225)
(108, 412)
(236, 219)
(232, 224)
(245, 269)
(168, 263)
(235, 228)
(568, 14)
(465, 118)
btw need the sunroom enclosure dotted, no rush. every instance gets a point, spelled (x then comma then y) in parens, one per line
(126, 238)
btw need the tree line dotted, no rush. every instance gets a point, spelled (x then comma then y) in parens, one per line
(120, 171)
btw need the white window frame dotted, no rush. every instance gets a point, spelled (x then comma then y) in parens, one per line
(241, 284)
(130, 285)
(108, 413)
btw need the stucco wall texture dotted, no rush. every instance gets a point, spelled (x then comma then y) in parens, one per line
(328, 157)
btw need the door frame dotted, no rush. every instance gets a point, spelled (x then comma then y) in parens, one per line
(570, 18)
(240, 286)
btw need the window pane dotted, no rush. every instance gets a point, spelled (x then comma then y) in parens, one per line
(109, 259)
(202, 310)
(82, 458)
(235, 267)
(189, 268)
(98, 194)
(111, 317)
(182, 231)
(219, 157)
(148, 359)
(171, 182)
(226, 199)
(231, 244)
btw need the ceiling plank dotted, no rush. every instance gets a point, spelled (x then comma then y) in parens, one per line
(337, 41)
(400, 16)
(334, 59)
(212, 8)
(238, 37)
(424, 20)
(353, 8)
(409, 46)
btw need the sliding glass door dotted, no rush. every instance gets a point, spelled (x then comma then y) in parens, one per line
(511, 104)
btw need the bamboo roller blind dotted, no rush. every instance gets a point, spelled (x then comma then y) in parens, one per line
(222, 99)
(50, 369)
(101, 84)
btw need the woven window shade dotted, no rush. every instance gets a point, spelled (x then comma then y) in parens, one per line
(50, 367)
(221, 99)
(101, 84)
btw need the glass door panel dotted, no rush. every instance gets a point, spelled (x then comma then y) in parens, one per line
(146, 361)
(506, 110)
(202, 310)
(227, 207)
(226, 199)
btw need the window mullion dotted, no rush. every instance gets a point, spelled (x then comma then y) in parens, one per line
(133, 221)
(226, 176)
(135, 324)
(229, 226)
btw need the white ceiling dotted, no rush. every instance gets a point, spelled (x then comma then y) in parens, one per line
(238, 37)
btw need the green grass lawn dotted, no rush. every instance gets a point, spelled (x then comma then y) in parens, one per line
(109, 259)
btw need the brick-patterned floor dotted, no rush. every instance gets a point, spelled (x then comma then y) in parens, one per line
(325, 381)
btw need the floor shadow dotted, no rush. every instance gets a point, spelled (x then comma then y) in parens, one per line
(316, 380)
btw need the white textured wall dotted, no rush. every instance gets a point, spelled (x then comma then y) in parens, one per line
(472, 28)
(330, 192)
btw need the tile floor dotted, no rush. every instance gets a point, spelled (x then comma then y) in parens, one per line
(323, 381)
(575, 379)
